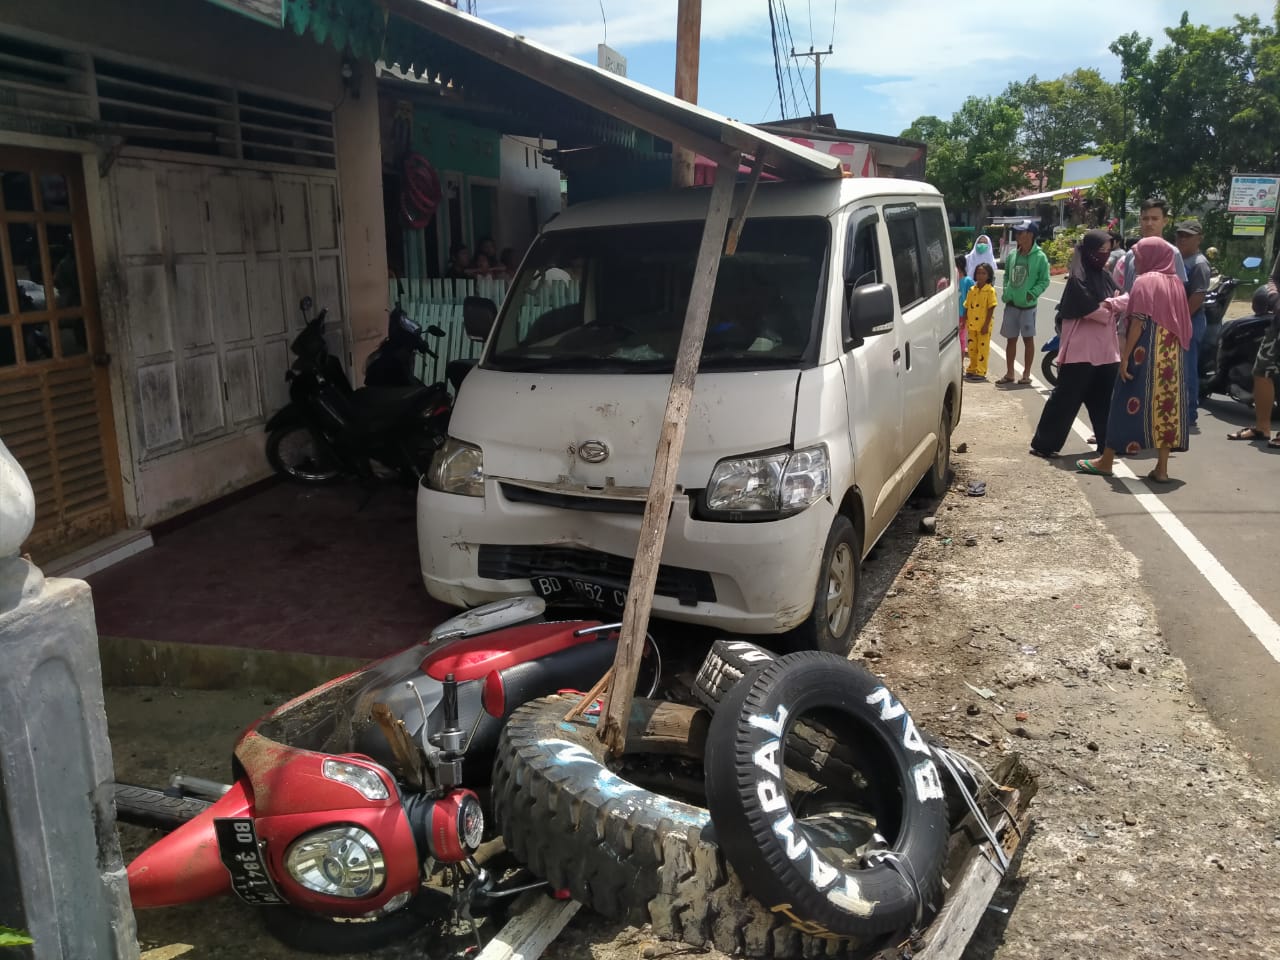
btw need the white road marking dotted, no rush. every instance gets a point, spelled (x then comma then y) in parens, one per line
(1251, 613)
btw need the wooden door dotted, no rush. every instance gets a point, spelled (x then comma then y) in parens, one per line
(55, 401)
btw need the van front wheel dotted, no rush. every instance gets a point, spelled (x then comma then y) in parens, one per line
(832, 623)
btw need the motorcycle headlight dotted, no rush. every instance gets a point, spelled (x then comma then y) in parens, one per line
(457, 467)
(769, 485)
(341, 861)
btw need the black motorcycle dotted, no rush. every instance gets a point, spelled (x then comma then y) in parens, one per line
(395, 423)
(1236, 348)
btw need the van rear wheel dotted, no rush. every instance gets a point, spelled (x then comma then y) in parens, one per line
(935, 481)
(832, 623)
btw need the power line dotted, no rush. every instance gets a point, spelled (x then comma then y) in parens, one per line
(834, 5)
(809, 3)
(790, 39)
(777, 59)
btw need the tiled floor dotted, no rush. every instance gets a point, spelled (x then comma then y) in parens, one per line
(303, 570)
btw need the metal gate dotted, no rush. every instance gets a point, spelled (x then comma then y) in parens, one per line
(55, 413)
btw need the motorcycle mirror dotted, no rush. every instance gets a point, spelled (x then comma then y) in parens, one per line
(478, 314)
(305, 304)
(1252, 263)
(435, 331)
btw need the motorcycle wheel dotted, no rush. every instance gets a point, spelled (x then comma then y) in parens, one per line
(1049, 367)
(145, 807)
(313, 933)
(297, 454)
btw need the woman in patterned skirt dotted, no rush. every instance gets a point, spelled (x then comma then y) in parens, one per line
(1148, 408)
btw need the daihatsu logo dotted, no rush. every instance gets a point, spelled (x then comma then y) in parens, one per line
(594, 451)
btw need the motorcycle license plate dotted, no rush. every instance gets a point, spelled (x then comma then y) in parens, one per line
(596, 593)
(242, 856)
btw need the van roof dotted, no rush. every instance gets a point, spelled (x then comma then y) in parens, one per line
(783, 199)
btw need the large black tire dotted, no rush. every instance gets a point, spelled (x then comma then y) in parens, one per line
(627, 852)
(832, 622)
(780, 860)
(312, 933)
(1049, 367)
(145, 807)
(323, 469)
(936, 482)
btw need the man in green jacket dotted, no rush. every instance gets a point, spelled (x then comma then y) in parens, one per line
(1026, 276)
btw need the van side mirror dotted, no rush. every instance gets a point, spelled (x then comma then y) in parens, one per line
(871, 311)
(478, 314)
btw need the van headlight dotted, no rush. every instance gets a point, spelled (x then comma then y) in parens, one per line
(457, 467)
(769, 485)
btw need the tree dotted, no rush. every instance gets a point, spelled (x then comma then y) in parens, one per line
(1063, 118)
(973, 157)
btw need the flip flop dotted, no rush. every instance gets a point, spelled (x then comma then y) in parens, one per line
(1154, 479)
(976, 488)
(1251, 434)
(1025, 382)
(1274, 444)
(1086, 466)
(1004, 380)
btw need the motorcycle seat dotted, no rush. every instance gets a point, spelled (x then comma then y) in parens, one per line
(383, 404)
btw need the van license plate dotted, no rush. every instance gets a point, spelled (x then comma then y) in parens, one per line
(242, 856)
(596, 593)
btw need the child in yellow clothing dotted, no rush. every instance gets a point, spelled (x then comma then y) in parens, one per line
(979, 308)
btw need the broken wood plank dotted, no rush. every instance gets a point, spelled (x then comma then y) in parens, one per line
(973, 881)
(531, 929)
(403, 748)
(740, 218)
(653, 529)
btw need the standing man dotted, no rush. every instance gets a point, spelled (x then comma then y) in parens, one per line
(1266, 371)
(1155, 217)
(1188, 234)
(1026, 276)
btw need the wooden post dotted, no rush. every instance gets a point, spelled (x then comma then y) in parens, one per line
(688, 41)
(653, 529)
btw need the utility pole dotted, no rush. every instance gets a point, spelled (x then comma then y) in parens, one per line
(688, 42)
(817, 73)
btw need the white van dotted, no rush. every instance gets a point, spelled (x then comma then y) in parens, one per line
(828, 388)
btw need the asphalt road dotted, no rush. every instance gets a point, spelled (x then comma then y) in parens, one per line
(1227, 497)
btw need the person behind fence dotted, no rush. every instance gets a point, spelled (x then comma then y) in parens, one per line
(1148, 407)
(459, 262)
(980, 308)
(1088, 350)
(965, 283)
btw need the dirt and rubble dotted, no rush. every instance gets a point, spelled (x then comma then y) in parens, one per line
(1019, 623)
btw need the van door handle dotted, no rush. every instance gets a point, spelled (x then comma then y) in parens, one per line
(897, 354)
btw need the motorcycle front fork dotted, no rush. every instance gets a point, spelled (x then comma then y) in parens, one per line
(476, 892)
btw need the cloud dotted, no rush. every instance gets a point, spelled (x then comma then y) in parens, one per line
(574, 26)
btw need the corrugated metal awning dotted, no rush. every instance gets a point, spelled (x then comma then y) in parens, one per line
(1060, 194)
(664, 116)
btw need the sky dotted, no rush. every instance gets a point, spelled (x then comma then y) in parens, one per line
(893, 61)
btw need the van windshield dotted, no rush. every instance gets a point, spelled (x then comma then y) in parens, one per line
(613, 299)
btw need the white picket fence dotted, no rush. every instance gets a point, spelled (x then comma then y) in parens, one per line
(439, 302)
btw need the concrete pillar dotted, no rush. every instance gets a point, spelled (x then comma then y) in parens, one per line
(61, 876)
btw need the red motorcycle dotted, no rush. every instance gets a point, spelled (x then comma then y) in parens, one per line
(356, 811)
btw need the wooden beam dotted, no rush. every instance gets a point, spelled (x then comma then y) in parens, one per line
(688, 44)
(653, 529)
(530, 929)
(735, 228)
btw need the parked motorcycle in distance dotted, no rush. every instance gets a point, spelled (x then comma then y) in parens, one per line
(329, 430)
(356, 816)
(1235, 349)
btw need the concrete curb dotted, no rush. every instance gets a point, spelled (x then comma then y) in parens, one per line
(128, 662)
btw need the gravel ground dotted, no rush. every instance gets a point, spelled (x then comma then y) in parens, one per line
(1151, 835)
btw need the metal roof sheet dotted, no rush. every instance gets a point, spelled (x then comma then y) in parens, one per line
(658, 113)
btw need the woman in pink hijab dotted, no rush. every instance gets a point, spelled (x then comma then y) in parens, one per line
(1148, 407)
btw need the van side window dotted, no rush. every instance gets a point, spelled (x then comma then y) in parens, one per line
(862, 262)
(933, 227)
(904, 247)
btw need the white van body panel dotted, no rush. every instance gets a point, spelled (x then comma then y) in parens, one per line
(530, 425)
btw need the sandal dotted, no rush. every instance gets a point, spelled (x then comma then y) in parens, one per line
(1004, 379)
(1025, 382)
(1250, 434)
(1155, 479)
(1274, 443)
(1086, 466)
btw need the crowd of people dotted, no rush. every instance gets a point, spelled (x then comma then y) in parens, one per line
(1131, 322)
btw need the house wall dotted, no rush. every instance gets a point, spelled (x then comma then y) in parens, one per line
(217, 45)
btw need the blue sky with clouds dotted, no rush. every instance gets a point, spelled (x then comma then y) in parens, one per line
(893, 61)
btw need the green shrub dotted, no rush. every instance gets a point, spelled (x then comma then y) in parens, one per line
(1061, 247)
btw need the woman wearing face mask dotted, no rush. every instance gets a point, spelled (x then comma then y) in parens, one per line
(1088, 352)
(981, 253)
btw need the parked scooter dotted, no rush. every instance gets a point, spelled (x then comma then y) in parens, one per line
(355, 816)
(329, 430)
(1236, 347)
